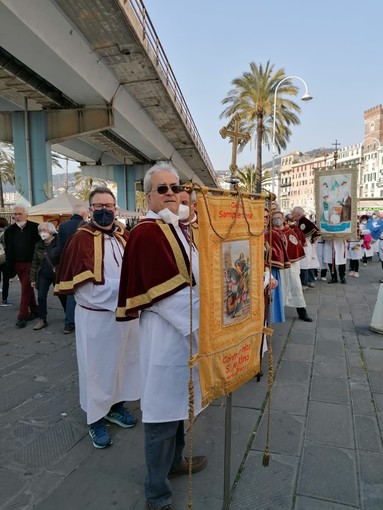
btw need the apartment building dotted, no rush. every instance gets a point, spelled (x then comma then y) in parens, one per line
(297, 171)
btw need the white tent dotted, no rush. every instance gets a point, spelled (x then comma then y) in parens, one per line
(60, 205)
(56, 210)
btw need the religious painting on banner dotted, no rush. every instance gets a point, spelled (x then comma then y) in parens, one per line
(231, 260)
(336, 197)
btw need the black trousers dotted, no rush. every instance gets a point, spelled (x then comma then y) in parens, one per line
(341, 269)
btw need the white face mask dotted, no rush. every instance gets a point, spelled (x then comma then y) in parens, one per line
(168, 217)
(44, 235)
(20, 224)
(183, 212)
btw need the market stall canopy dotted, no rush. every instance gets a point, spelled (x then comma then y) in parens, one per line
(56, 210)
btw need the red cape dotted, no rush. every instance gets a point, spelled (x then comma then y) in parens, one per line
(155, 266)
(82, 259)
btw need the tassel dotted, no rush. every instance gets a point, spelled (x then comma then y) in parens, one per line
(266, 459)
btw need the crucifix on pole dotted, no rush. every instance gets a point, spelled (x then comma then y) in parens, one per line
(236, 137)
(336, 145)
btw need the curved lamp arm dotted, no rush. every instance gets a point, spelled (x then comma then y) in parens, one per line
(306, 97)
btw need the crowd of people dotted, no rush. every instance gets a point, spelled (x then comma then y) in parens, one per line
(127, 297)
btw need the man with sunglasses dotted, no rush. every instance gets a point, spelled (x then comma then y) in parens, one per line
(155, 284)
(107, 351)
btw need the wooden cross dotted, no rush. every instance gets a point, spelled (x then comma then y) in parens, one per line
(236, 137)
(336, 144)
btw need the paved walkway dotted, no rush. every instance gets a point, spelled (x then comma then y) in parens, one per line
(326, 428)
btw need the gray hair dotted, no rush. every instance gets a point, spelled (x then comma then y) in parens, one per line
(51, 228)
(299, 210)
(158, 167)
(80, 209)
(20, 206)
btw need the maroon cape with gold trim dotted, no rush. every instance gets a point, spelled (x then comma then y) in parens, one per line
(295, 250)
(279, 257)
(82, 259)
(155, 266)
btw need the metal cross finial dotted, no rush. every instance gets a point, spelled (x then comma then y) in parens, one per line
(336, 144)
(236, 137)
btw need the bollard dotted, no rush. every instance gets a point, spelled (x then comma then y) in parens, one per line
(377, 317)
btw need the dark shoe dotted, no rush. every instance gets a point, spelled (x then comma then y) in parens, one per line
(99, 434)
(40, 325)
(381, 280)
(333, 280)
(68, 329)
(122, 417)
(198, 464)
(149, 506)
(32, 316)
(302, 314)
(342, 279)
(21, 323)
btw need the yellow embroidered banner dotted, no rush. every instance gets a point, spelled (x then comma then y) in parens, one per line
(231, 260)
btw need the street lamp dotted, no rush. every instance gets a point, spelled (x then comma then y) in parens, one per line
(306, 97)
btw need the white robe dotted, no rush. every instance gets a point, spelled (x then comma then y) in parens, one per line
(107, 351)
(292, 286)
(164, 336)
(337, 247)
(311, 259)
(354, 250)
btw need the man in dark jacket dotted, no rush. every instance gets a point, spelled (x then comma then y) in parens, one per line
(20, 239)
(66, 230)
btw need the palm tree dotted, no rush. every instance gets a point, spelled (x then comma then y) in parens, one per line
(247, 178)
(252, 97)
(85, 184)
(7, 172)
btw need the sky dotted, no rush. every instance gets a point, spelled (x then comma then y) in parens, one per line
(335, 46)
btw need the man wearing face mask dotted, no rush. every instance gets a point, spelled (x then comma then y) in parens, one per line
(20, 239)
(107, 351)
(292, 288)
(155, 285)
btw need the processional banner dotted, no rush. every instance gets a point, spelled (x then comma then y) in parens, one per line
(336, 207)
(231, 260)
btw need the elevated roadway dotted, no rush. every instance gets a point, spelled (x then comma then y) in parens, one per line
(97, 70)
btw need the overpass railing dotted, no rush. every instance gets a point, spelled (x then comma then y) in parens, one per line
(149, 34)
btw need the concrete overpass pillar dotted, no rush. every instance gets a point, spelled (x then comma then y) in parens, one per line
(126, 177)
(33, 162)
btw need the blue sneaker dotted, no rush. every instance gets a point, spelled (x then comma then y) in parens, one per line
(5, 302)
(99, 434)
(122, 417)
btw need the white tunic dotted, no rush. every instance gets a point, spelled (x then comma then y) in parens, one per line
(164, 337)
(292, 286)
(311, 259)
(107, 351)
(354, 250)
(335, 251)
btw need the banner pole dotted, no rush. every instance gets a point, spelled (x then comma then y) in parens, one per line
(227, 459)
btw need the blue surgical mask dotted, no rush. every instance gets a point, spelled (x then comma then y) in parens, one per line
(103, 217)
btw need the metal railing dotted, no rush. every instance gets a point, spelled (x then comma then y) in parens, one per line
(148, 33)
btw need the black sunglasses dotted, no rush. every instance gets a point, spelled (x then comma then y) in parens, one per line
(163, 188)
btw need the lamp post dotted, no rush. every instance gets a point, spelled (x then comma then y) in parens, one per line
(306, 97)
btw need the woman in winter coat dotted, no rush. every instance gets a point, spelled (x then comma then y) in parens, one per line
(42, 273)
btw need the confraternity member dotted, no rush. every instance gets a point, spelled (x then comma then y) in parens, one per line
(292, 288)
(311, 233)
(155, 285)
(107, 351)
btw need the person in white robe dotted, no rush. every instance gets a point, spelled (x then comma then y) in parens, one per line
(335, 254)
(159, 292)
(107, 351)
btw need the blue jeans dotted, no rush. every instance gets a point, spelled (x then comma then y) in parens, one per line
(44, 284)
(69, 310)
(164, 443)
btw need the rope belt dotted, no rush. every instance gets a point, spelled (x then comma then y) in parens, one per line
(94, 309)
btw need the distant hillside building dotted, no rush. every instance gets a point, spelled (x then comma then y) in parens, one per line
(297, 171)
